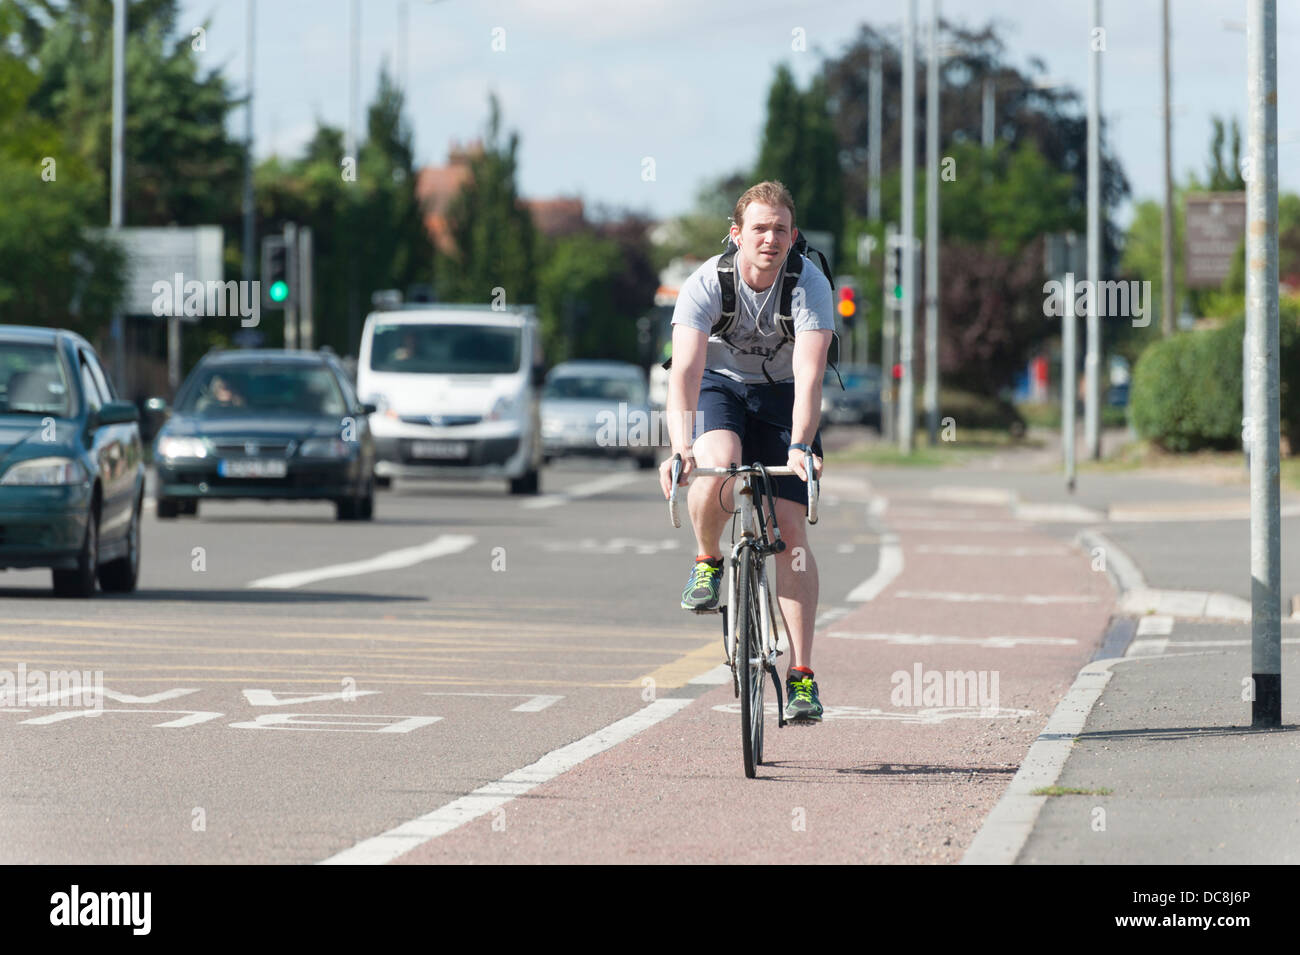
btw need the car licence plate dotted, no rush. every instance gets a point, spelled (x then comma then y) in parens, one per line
(444, 450)
(253, 468)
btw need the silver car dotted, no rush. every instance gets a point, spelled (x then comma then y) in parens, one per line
(599, 408)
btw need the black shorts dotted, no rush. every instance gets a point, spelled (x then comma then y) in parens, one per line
(762, 415)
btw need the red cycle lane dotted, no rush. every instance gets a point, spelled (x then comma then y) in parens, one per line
(934, 691)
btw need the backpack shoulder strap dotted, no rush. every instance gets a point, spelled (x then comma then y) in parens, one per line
(726, 279)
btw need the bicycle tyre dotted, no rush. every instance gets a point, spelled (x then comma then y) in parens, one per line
(749, 665)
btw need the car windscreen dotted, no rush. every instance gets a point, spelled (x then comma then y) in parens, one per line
(32, 380)
(445, 349)
(262, 388)
(596, 388)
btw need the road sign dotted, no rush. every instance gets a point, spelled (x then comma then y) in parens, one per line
(1216, 226)
(160, 254)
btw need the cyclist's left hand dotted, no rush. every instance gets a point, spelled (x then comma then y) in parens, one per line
(796, 459)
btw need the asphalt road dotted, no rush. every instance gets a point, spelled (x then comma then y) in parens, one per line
(284, 686)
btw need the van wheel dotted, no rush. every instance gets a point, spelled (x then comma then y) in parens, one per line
(530, 483)
(383, 482)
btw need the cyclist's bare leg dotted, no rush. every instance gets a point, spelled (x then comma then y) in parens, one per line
(797, 584)
(713, 449)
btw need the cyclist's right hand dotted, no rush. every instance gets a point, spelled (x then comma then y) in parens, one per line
(666, 473)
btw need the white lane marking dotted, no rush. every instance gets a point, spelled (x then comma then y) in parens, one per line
(617, 545)
(589, 489)
(932, 639)
(916, 524)
(956, 597)
(931, 715)
(975, 550)
(395, 842)
(890, 566)
(1008, 826)
(719, 675)
(1156, 624)
(269, 697)
(877, 507)
(1057, 513)
(364, 722)
(1147, 648)
(441, 546)
(972, 495)
(533, 702)
(831, 614)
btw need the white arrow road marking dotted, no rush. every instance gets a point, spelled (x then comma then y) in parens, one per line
(387, 846)
(930, 639)
(392, 560)
(533, 703)
(268, 697)
(192, 717)
(589, 489)
(890, 566)
(972, 550)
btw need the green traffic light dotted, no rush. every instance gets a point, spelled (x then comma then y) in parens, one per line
(898, 292)
(279, 291)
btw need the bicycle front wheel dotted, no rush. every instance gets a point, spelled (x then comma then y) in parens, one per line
(749, 662)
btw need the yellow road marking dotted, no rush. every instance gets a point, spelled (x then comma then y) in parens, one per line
(685, 667)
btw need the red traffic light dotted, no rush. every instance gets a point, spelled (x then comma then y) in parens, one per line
(847, 306)
(898, 371)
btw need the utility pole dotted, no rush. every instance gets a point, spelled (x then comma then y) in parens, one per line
(874, 146)
(291, 273)
(906, 411)
(354, 77)
(250, 248)
(932, 227)
(1167, 216)
(989, 109)
(1262, 341)
(1092, 361)
(306, 275)
(117, 328)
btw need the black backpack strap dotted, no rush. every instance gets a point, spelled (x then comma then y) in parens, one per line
(726, 279)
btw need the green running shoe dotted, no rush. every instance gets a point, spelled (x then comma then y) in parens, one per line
(802, 703)
(701, 591)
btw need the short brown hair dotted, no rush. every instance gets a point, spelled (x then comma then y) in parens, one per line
(770, 193)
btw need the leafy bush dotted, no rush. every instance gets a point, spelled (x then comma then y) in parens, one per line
(1186, 392)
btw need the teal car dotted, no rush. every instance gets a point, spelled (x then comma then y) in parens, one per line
(71, 464)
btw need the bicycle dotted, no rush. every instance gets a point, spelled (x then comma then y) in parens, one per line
(749, 624)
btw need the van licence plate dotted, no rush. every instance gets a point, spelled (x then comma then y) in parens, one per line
(440, 450)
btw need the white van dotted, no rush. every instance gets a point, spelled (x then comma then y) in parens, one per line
(456, 388)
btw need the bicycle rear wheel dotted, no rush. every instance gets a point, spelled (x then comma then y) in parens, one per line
(749, 663)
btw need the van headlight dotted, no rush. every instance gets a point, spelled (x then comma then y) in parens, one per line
(46, 472)
(507, 406)
(382, 405)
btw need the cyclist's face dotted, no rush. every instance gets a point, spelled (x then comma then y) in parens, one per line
(766, 236)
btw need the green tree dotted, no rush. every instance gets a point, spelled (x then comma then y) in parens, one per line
(1225, 176)
(492, 230)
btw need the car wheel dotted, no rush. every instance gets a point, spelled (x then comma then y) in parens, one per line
(529, 483)
(80, 582)
(120, 576)
(383, 482)
(645, 464)
(167, 508)
(190, 508)
(366, 506)
(345, 509)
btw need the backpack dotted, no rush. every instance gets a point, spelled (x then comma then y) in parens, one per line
(789, 280)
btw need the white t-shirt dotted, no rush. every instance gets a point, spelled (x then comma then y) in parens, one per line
(754, 336)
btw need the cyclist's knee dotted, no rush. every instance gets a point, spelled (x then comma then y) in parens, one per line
(718, 448)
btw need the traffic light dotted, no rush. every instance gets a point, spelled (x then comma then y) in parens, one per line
(894, 271)
(277, 289)
(848, 305)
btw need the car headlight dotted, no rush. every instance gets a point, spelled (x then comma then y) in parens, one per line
(325, 448)
(46, 471)
(172, 448)
(507, 406)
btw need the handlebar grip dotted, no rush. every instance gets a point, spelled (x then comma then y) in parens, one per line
(814, 488)
(672, 490)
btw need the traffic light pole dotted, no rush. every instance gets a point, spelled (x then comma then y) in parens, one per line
(306, 331)
(291, 270)
(932, 228)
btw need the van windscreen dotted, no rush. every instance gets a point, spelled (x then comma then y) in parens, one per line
(445, 349)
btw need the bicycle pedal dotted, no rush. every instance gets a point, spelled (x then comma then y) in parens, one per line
(802, 721)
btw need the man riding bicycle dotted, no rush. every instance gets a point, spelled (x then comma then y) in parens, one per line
(747, 387)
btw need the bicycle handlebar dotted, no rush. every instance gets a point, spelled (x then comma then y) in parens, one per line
(813, 481)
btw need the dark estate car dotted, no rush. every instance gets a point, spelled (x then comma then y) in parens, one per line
(267, 424)
(71, 464)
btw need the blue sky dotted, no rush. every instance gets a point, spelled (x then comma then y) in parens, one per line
(595, 87)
